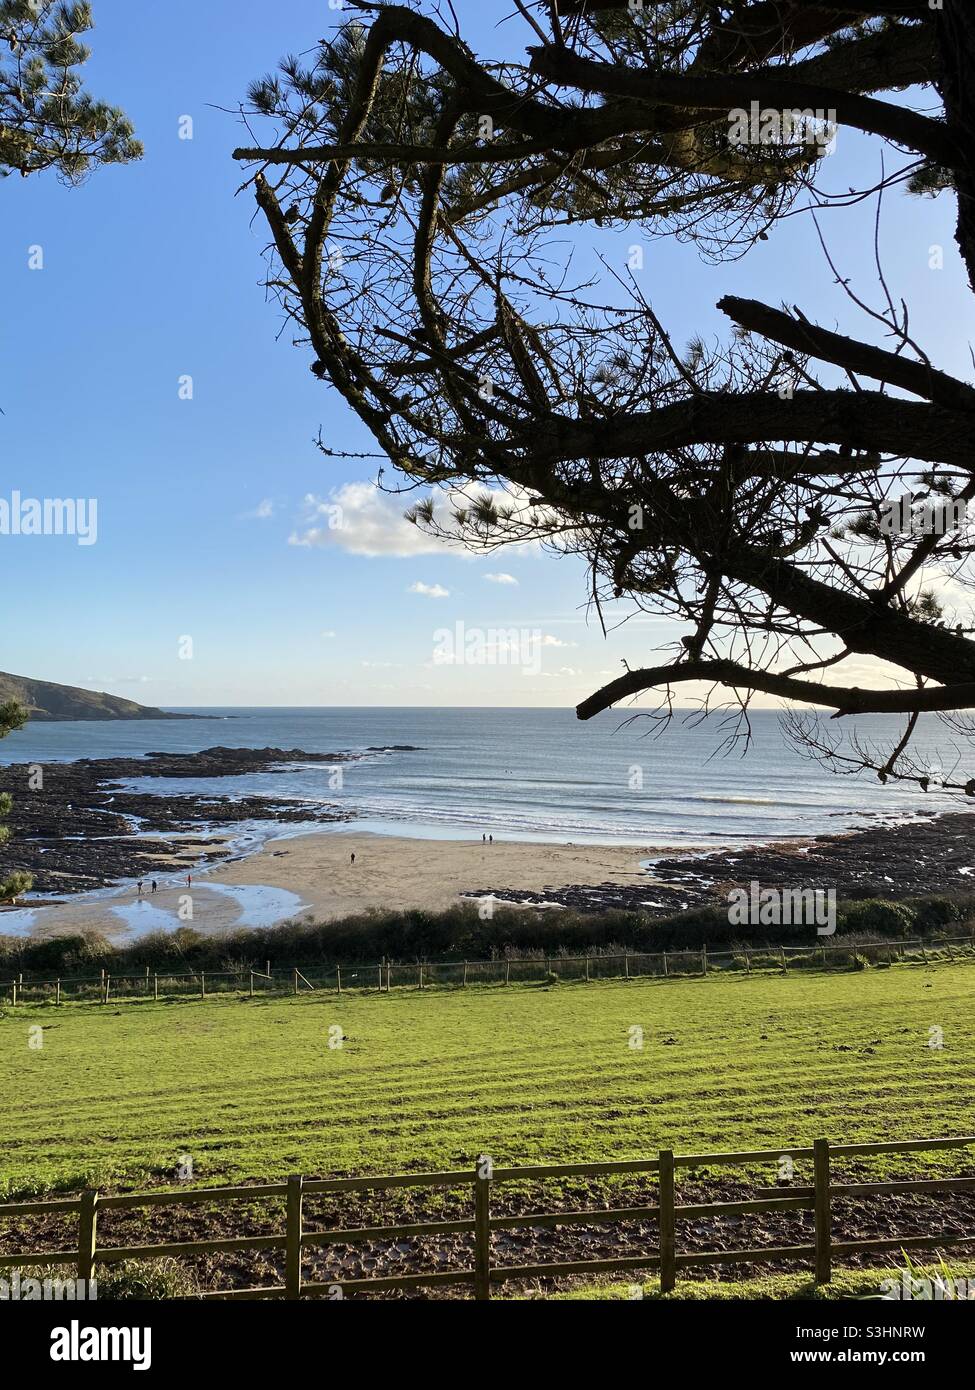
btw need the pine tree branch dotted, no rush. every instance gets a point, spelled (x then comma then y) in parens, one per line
(846, 700)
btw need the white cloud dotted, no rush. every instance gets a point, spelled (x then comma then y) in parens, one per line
(328, 633)
(501, 578)
(363, 520)
(549, 641)
(357, 517)
(429, 590)
(263, 510)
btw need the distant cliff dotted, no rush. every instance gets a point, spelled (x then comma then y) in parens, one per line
(45, 700)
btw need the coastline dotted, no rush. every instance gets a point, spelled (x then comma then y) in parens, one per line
(257, 858)
(313, 876)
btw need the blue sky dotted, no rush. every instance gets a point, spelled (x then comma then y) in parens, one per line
(152, 271)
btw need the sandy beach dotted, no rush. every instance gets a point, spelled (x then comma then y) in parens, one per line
(402, 872)
(313, 875)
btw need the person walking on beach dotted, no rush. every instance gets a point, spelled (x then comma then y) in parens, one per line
(352, 857)
(138, 888)
(153, 889)
(189, 880)
(490, 839)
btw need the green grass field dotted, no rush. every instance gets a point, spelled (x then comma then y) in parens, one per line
(251, 1088)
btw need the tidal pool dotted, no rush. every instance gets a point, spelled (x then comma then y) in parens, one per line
(260, 906)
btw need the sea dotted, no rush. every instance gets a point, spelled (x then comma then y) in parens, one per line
(527, 774)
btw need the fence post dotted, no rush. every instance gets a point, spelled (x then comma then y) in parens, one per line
(296, 980)
(87, 1229)
(704, 960)
(57, 991)
(13, 986)
(203, 985)
(507, 972)
(587, 969)
(252, 985)
(292, 1257)
(155, 986)
(822, 1211)
(667, 1222)
(626, 967)
(465, 973)
(420, 979)
(785, 963)
(665, 962)
(108, 986)
(482, 1228)
(338, 978)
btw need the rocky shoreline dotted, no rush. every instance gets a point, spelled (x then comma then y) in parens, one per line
(80, 830)
(923, 855)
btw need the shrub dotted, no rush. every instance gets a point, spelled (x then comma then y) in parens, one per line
(875, 916)
(934, 914)
(85, 952)
(16, 884)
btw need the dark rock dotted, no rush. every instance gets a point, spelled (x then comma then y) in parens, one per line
(81, 831)
(908, 860)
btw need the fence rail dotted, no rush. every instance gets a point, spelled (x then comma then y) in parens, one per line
(384, 976)
(485, 1179)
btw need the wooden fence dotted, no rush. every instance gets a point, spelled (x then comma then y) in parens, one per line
(485, 1179)
(387, 975)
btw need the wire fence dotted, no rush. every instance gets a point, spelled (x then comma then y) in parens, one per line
(385, 976)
